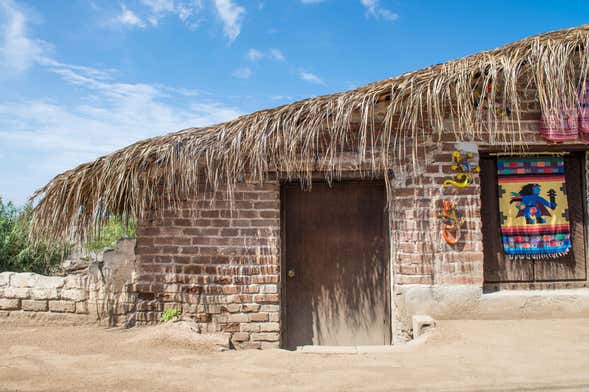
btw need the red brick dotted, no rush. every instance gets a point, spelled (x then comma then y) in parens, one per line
(265, 298)
(231, 327)
(230, 289)
(229, 232)
(259, 317)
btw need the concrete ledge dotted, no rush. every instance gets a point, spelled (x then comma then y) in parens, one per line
(566, 303)
(469, 302)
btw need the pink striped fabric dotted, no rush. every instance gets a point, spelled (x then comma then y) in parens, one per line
(560, 125)
(584, 113)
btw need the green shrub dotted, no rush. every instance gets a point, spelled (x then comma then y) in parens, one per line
(170, 314)
(17, 253)
(110, 233)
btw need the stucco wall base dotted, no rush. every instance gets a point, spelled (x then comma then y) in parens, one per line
(456, 302)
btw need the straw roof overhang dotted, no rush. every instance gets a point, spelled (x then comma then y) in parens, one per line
(458, 96)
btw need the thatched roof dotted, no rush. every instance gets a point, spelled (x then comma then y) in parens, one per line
(293, 139)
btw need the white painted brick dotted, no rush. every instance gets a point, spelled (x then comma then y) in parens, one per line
(5, 278)
(269, 327)
(17, 292)
(44, 293)
(34, 306)
(249, 327)
(49, 282)
(73, 294)
(270, 308)
(30, 280)
(74, 282)
(265, 336)
(62, 306)
(9, 304)
(24, 279)
(238, 318)
(269, 289)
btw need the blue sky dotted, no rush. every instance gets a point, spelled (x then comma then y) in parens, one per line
(81, 78)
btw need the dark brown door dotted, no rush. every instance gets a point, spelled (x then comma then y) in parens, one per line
(498, 267)
(336, 265)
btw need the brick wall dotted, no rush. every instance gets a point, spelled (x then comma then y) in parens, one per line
(421, 256)
(221, 265)
(217, 262)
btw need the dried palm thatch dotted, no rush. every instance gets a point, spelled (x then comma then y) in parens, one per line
(458, 97)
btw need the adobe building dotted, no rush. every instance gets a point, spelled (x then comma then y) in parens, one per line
(456, 191)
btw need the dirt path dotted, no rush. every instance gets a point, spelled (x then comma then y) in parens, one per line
(524, 355)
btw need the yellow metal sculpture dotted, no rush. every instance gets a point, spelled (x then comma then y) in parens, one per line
(466, 170)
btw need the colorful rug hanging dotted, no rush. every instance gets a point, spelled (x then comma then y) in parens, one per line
(533, 207)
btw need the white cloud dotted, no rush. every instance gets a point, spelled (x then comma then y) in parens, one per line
(17, 50)
(101, 74)
(149, 13)
(47, 136)
(312, 78)
(281, 98)
(374, 9)
(231, 15)
(277, 55)
(254, 55)
(243, 73)
(370, 5)
(160, 6)
(184, 10)
(180, 91)
(111, 114)
(387, 15)
(128, 18)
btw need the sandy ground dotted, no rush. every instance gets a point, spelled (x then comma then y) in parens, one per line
(525, 355)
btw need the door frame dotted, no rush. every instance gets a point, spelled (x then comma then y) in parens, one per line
(387, 251)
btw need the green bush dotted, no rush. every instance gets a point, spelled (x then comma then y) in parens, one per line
(110, 233)
(171, 314)
(17, 253)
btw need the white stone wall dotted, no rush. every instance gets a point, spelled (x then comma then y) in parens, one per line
(101, 293)
(31, 292)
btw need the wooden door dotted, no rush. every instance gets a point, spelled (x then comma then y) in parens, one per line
(336, 252)
(498, 267)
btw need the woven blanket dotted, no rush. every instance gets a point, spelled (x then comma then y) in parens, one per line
(533, 207)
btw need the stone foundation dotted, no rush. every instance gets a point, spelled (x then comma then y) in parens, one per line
(37, 293)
